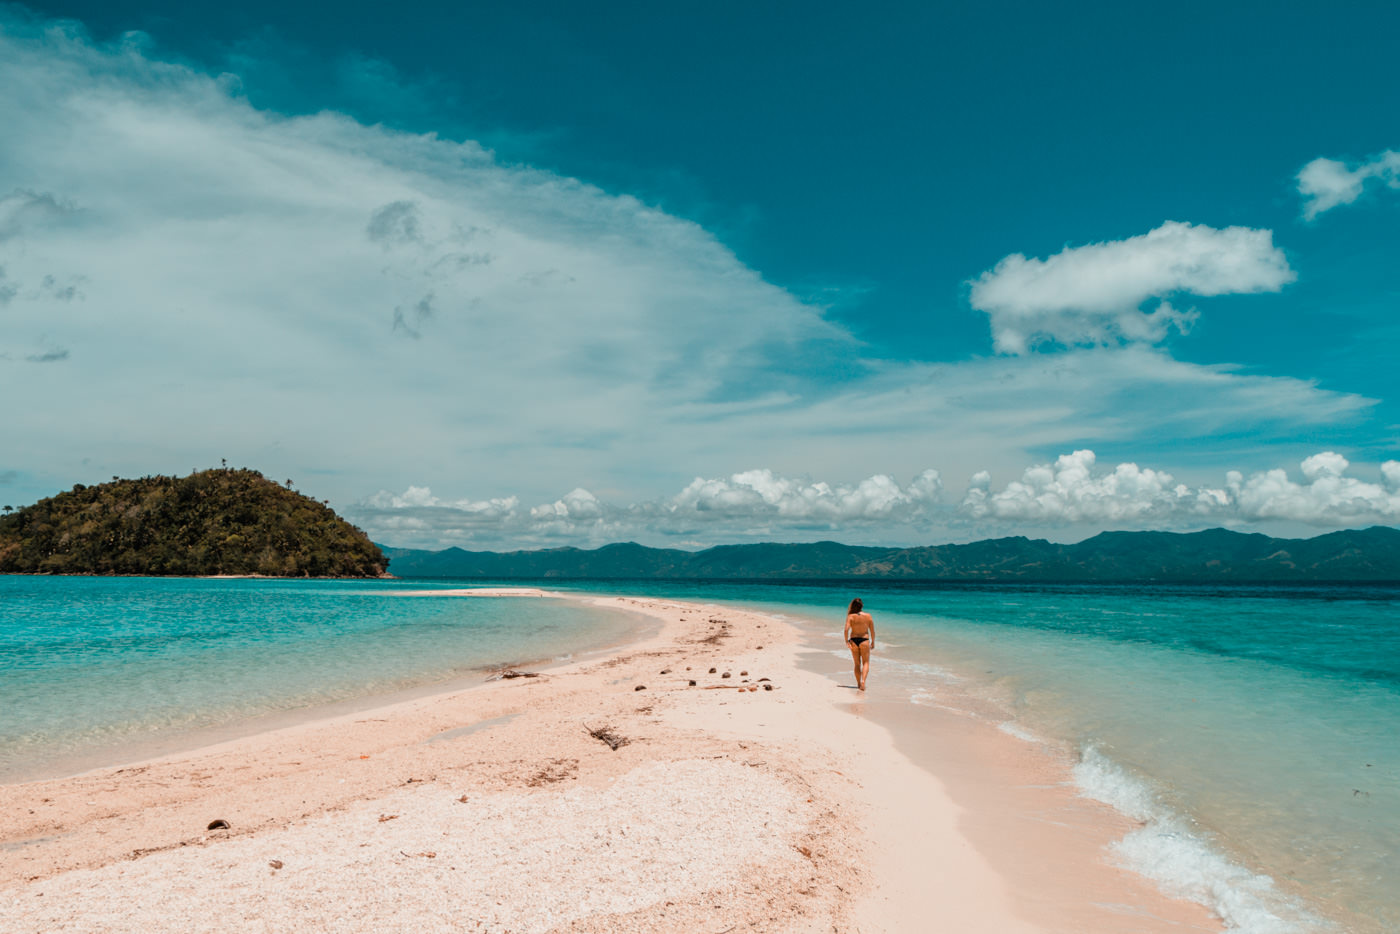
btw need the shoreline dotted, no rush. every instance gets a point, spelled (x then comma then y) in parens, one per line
(466, 772)
(170, 742)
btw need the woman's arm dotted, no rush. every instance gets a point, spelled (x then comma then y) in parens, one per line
(872, 632)
(846, 634)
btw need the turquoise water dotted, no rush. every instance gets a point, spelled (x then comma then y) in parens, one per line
(1255, 732)
(95, 669)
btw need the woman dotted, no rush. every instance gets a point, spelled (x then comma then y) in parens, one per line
(860, 636)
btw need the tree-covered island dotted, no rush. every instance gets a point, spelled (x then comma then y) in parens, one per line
(221, 521)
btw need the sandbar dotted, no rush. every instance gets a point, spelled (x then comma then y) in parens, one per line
(772, 799)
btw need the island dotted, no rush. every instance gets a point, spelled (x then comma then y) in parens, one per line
(223, 521)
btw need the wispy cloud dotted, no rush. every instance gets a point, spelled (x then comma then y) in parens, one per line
(233, 282)
(1329, 183)
(1093, 294)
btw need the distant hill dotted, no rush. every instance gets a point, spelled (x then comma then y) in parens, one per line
(211, 522)
(1215, 555)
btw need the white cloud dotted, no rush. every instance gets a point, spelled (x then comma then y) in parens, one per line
(185, 278)
(1326, 497)
(759, 495)
(753, 502)
(1093, 294)
(1328, 183)
(1070, 491)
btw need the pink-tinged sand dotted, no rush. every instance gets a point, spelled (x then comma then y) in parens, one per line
(493, 809)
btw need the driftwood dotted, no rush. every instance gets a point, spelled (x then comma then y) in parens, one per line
(607, 735)
(508, 673)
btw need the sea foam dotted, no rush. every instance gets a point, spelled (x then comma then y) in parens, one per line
(1181, 862)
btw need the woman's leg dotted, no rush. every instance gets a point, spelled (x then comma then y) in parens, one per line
(855, 657)
(863, 665)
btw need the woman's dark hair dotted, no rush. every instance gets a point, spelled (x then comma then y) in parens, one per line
(855, 606)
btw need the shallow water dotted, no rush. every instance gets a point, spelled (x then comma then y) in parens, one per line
(92, 669)
(1253, 731)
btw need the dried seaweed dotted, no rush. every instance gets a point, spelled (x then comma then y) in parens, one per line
(607, 735)
(508, 673)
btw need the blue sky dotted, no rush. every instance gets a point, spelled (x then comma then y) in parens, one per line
(692, 273)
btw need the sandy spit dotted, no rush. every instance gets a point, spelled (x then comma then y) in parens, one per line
(729, 807)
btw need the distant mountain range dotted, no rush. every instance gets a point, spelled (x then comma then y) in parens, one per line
(1215, 555)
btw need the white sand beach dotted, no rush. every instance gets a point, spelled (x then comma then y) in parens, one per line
(773, 799)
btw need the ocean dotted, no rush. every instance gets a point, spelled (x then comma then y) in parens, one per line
(98, 670)
(1254, 732)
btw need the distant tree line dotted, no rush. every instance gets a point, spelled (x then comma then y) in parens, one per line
(221, 521)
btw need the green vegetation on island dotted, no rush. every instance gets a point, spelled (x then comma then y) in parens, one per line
(222, 521)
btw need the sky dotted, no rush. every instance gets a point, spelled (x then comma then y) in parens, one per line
(542, 274)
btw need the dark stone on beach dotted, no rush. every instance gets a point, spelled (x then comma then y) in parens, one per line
(743, 672)
(725, 675)
(768, 687)
(665, 671)
(275, 863)
(218, 825)
(692, 684)
(640, 687)
(764, 679)
(713, 670)
(760, 648)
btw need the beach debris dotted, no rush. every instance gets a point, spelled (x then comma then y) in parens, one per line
(275, 863)
(608, 735)
(509, 673)
(760, 648)
(713, 670)
(218, 825)
(462, 800)
(687, 667)
(726, 675)
(665, 671)
(364, 757)
(640, 687)
(557, 770)
(743, 672)
(803, 850)
(761, 680)
(753, 687)
(427, 855)
(387, 817)
(768, 687)
(692, 682)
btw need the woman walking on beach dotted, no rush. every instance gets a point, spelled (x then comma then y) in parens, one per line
(860, 636)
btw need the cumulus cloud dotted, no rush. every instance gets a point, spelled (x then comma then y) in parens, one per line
(1326, 496)
(1071, 491)
(1093, 294)
(760, 495)
(231, 282)
(746, 504)
(1329, 183)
